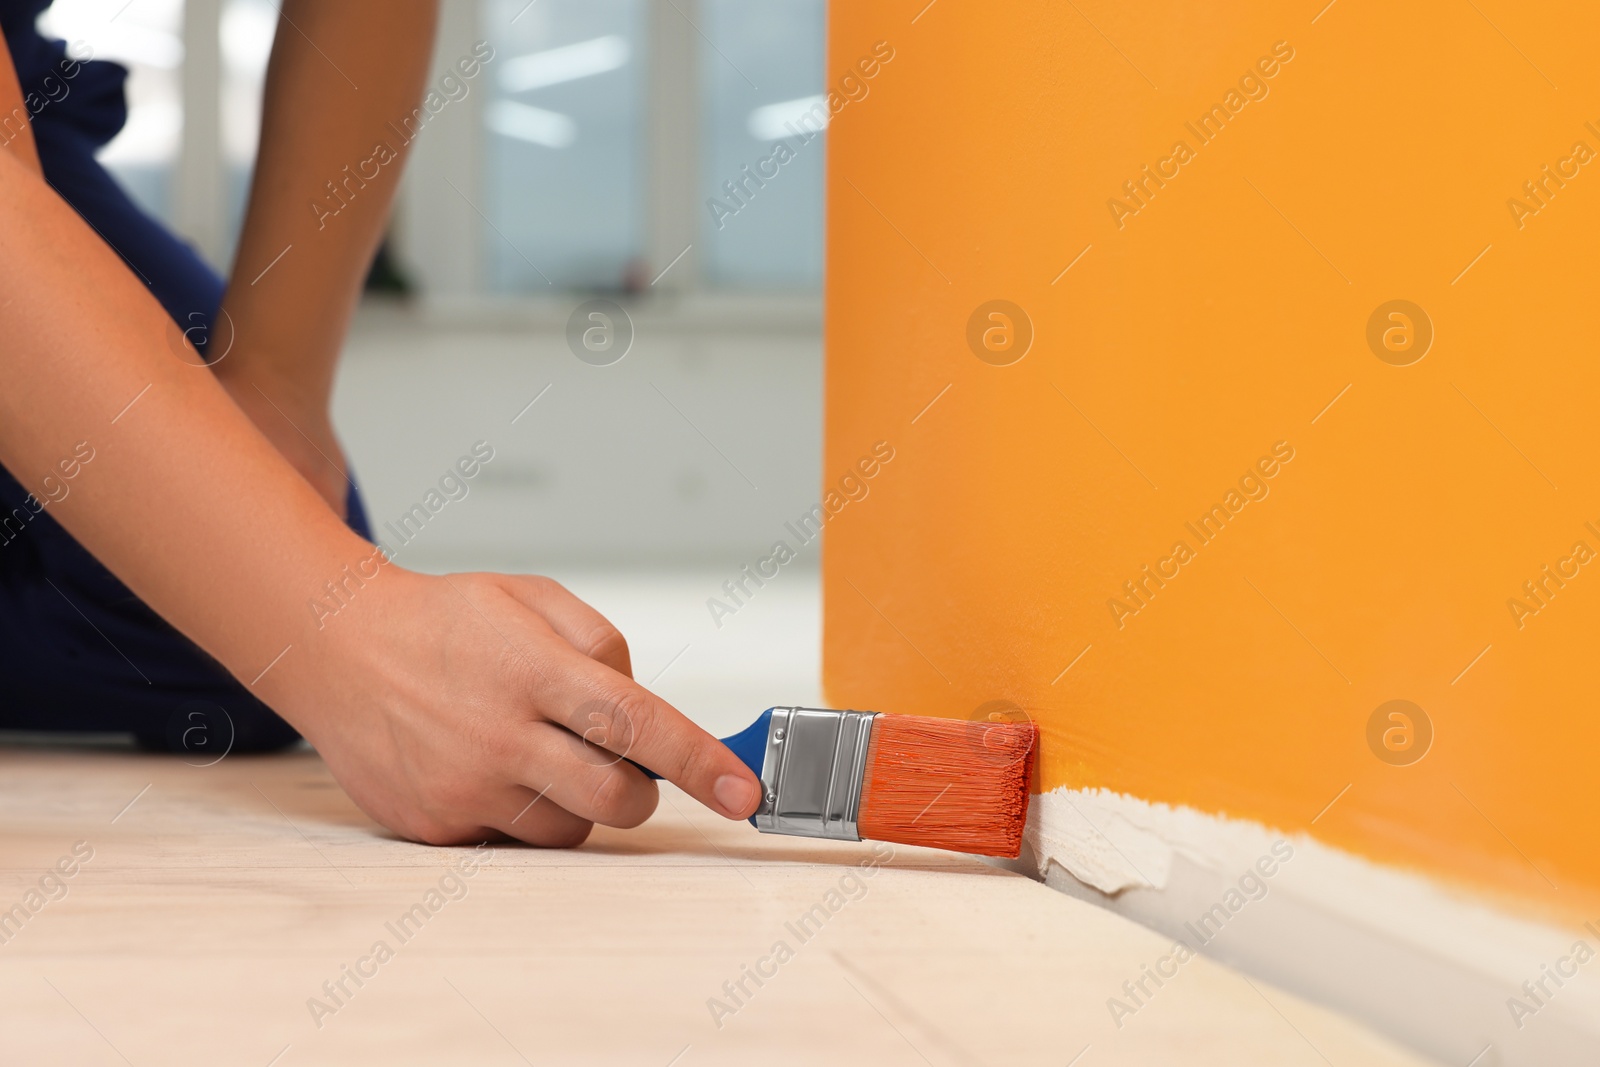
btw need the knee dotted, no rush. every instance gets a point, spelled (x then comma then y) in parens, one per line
(212, 728)
(257, 728)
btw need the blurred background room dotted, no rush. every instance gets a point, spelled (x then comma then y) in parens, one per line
(587, 160)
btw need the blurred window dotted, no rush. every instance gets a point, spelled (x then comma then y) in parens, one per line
(761, 72)
(565, 151)
(564, 140)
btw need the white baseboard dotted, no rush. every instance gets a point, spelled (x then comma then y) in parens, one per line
(1431, 967)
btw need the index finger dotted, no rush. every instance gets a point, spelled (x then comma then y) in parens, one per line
(615, 713)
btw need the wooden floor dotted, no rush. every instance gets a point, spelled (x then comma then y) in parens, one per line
(219, 900)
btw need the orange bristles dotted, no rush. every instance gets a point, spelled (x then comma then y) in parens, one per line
(948, 783)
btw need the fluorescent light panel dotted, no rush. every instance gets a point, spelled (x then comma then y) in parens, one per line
(771, 123)
(567, 63)
(524, 122)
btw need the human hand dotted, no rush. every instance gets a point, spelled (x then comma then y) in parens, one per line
(454, 709)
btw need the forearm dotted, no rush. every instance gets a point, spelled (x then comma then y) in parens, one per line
(16, 126)
(342, 79)
(451, 708)
(184, 500)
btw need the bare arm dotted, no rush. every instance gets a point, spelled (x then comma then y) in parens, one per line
(16, 133)
(341, 80)
(444, 705)
(83, 341)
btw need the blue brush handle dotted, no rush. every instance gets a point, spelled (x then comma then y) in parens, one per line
(749, 744)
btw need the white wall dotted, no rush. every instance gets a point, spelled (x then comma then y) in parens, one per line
(693, 448)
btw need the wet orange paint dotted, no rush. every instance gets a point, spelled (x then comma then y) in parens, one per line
(1308, 398)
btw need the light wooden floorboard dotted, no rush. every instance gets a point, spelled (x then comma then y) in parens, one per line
(218, 903)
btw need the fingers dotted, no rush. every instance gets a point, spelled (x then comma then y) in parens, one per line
(582, 627)
(533, 817)
(574, 786)
(586, 779)
(610, 711)
(504, 811)
(583, 684)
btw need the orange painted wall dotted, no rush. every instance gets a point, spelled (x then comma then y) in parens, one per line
(1187, 340)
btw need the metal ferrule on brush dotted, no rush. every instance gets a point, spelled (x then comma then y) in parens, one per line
(812, 775)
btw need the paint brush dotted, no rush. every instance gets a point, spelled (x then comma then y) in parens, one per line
(906, 779)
